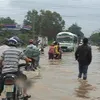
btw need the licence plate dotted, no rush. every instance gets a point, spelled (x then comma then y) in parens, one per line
(8, 88)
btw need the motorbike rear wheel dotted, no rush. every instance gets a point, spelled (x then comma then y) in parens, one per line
(25, 99)
(7, 99)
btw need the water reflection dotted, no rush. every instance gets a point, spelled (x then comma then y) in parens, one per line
(83, 89)
(55, 62)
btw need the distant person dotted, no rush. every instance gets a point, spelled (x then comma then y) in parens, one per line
(83, 55)
(51, 51)
(58, 52)
(36, 42)
(42, 48)
(33, 53)
(9, 62)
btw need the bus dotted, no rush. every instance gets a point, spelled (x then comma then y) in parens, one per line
(67, 40)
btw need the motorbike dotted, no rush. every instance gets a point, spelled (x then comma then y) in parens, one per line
(41, 50)
(57, 57)
(13, 88)
(31, 66)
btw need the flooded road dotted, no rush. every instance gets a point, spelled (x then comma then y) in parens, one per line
(58, 79)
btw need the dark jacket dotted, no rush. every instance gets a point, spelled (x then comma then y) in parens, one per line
(83, 54)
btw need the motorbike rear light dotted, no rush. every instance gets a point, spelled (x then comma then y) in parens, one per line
(9, 82)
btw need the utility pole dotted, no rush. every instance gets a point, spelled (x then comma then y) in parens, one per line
(41, 26)
(33, 25)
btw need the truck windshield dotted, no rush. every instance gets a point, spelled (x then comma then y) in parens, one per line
(65, 39)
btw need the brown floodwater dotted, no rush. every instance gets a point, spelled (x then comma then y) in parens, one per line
(57, 79)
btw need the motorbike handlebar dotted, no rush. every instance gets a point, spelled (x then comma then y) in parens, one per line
(22, 65)
(25, 65)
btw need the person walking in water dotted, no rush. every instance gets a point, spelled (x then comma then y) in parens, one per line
(51, 51)
(83, 55)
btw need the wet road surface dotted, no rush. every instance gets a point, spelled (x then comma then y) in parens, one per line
(57, 79)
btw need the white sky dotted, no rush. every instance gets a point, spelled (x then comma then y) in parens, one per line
(83, 12)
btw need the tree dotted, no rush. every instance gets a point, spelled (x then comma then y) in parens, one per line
(32, 19)
(51, 23)
(95, 38)
(74, 28)
(7, 20)
(46, 23)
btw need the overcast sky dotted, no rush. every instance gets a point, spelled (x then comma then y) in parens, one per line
(86, 13)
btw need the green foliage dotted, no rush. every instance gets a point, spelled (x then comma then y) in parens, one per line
(4, 35)
(50, 42)
(9, 33)
(7, 20)
(51, 23)
(32, 19)
(25, 37)
(74, 28)
(95, 38)
(46, 23)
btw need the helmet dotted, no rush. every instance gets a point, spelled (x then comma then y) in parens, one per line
(12, 42)
(55, 42)
(31, 41)
(16, 38)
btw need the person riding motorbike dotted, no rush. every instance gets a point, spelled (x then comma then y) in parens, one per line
(33, 53)
(58, 52)
(20, 42)
(51, 51)
(42, 48)
(9, 61)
